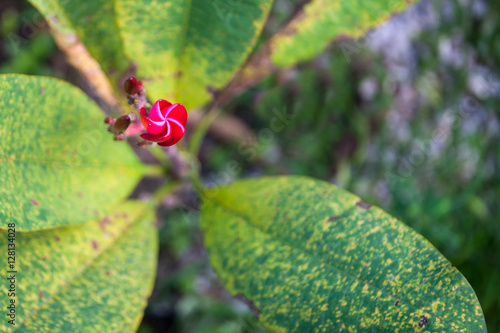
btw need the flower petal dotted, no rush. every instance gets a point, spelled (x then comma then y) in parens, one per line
(151, 126)
(178, 131)
(164, 135)
(170, 142)
(178, 112)
(155, 114)
(144, 117)
(155, 127)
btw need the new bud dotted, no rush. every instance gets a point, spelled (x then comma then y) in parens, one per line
(122, 124)
(133, 86)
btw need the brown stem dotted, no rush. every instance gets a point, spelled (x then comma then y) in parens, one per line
(180, 167)
(258, 66)
(79, 57)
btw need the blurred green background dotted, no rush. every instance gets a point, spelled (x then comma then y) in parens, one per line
(407, 119)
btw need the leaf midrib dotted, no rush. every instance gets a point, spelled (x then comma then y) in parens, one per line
(307, 252)
(68, 283)
(183, 43)
(131, 165)
(342, 215)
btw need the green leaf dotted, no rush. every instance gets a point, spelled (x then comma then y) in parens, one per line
(324, 20)
(58, 164)
(312, 257)
(183, 47)
(93, 277)
(94, 22)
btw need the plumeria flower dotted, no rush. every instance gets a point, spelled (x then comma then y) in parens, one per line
(165, 123)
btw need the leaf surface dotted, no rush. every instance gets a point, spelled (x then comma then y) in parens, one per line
(93, 277)
(324, 20)
(313, 257)
(185, 48)
(58, 164)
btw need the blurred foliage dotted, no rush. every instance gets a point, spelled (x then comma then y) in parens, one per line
(26, 45)
(187, 296)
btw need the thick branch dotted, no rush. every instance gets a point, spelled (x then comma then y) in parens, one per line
(259, 65)
(80, 58)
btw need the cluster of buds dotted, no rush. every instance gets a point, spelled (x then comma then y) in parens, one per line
(164, 122)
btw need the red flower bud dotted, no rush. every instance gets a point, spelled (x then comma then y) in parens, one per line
(165, 123)
(133, 86)
(122, 124)
(109, 120)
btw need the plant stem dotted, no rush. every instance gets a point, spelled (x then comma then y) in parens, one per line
(180, 166)
(201, 130)
(79, 57)
(154, 170)
(159, 153)
(163, 191)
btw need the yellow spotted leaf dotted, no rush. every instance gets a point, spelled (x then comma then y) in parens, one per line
(312, 257)
(324, 20)
(58, 164)
(92, 277)
(184, 48)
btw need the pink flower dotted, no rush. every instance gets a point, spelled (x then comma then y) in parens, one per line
(165, 123)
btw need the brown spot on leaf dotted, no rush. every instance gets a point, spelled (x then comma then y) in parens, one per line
(423, 321)
(94, 243)
(342, 38)
(47, 151)
(42, 91)
(363, 205)
(237, 239)
(80, 194)
(105, 221)
(40, 294)
(34, 202)
(45, 258)
(57, 238)
(333, 217)
(107, 273)
(24, 101)
(212, 90)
